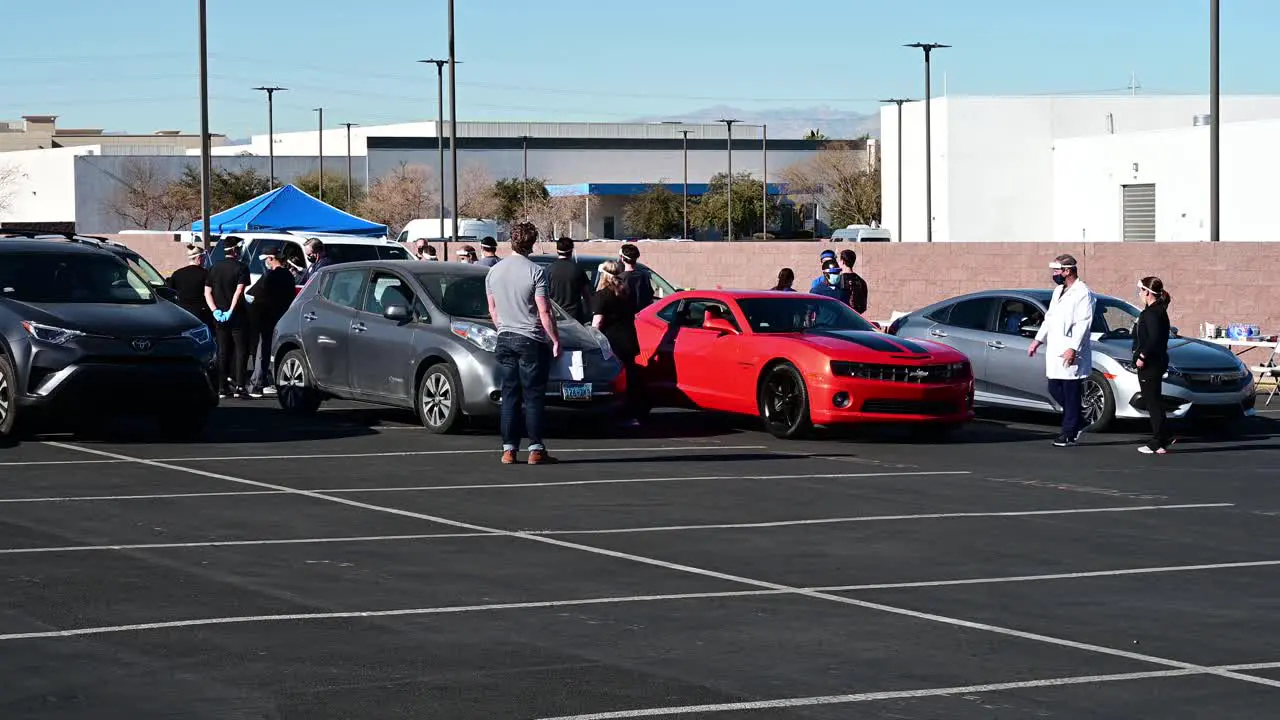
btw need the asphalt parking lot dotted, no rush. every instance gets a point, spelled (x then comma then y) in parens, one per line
(352, 566)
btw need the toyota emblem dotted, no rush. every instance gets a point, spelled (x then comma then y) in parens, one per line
(141, 344)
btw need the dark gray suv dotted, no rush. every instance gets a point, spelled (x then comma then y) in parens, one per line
(82, 335)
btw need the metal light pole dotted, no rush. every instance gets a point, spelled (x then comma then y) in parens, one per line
(899, 102)
(439, 127)
(453, 122)
(524, 185)
(205, 151)
(928, 135)
(271, 129)
(349, 126)
(684, 151)
(321, 151)
(1215, 123)
(728, 124)
(764, 180)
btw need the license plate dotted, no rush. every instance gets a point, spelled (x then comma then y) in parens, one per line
(576, 391)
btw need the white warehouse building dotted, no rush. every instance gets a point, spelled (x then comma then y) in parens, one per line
(1104, 169)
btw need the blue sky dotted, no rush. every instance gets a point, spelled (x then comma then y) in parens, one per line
(133, 65)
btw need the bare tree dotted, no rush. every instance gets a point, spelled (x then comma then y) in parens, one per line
(407, 193)
(9, 176)
(556, 215)
(841, 179)
(139, 200)
(476, 198)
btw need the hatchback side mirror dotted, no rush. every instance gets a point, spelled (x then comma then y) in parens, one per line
(398, 313)
(167, 293)
(720, 325)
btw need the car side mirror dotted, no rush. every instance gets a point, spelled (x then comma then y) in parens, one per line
(167, 293)
(720, 325)
(398, 313)
(1173, 331)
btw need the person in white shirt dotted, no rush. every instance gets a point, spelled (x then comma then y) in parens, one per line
(1068, 353)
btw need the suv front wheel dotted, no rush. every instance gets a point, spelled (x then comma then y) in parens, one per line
(8, 398)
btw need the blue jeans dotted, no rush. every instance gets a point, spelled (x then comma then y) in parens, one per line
(1067, 393)
(525, 365)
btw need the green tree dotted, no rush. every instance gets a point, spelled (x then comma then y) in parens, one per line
(516, 199)
(712, 210)
(227, 188)
(335, 189)
(656, 213)
(814, 134)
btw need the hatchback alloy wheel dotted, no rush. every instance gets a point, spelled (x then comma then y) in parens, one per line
(4, 398)
(294, 391)
(437, 399)
(1094, 401)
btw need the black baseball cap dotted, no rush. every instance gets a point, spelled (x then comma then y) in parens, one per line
(564, 246)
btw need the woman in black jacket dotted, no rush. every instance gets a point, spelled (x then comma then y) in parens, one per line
(1151, 356)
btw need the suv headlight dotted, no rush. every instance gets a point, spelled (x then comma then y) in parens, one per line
(199, 335)
(1130, 366)
(482, 337)
(49, 333)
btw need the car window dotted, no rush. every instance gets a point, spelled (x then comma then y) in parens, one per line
(350, 253)
(1016, 314)
(668, 313)
(404, 236)
(344, 288)
(47, 277)
(694, 311)
(1111, 315)
(387, 289)
(144, 269)
(392, 252)
(260, 248)
(971, 314)
(461, 296)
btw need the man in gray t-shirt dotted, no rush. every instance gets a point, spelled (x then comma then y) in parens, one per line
(527, 343)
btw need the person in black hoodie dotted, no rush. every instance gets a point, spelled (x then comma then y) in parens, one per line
(272, 296)
(1151, 357)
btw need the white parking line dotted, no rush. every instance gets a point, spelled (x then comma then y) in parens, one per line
(877, 518)
(895, 694)
(613, 600)
(688, 569)
(490, 486)
(406, 453)
(619, 531)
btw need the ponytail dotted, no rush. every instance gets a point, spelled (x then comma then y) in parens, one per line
(1155, 286)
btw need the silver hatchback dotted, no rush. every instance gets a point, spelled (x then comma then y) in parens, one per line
(417, 335)
(995, 328)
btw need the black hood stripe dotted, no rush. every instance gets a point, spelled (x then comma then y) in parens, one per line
(869, 340)
(911, 346)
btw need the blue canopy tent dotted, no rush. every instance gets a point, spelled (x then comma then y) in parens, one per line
(288, 209)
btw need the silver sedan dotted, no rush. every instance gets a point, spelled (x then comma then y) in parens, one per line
(417, 335)
(995, 328)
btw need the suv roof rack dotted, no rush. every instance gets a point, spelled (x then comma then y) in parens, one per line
(95, 240)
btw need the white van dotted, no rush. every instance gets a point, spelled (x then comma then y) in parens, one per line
(861, 233)
(469, 230)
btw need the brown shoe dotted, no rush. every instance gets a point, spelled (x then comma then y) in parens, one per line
(540, 457)
(508, 457)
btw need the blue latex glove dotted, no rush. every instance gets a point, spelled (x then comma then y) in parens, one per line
(221, 315)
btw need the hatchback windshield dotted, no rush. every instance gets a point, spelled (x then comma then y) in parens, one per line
(43, 277)
(461, 296)
(799, 314)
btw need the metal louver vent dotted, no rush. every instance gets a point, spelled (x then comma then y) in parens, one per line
(1139, 212)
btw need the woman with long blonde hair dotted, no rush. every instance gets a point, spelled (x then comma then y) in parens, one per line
(614, 315)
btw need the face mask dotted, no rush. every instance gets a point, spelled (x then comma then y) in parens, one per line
(832, 279)
(1059, 280)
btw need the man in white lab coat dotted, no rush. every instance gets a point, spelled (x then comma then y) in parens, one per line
(1068, 354)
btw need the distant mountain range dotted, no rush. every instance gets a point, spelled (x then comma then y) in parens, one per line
(791, 122)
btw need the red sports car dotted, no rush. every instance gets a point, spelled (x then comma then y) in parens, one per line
(796, 360)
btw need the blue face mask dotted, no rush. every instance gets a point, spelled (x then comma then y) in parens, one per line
(832, 278)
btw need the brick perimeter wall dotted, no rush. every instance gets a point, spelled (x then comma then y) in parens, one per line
(1210, 282)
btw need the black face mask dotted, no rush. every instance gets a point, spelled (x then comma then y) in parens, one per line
(1059, 279)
